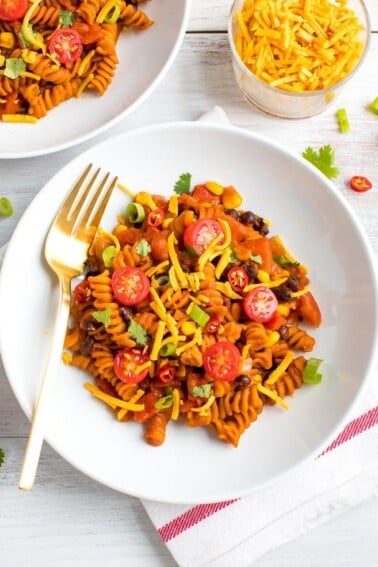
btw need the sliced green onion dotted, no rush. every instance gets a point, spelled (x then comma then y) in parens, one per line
(199, 316)
(342, 119)
(6, 209)
(311, 374)
(168, 349)
(135, 212)
(162, 280)
(113, 14)
(108, 255)
(164, 402)
(373, 106)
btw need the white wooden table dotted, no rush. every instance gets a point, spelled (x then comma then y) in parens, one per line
(69, 519)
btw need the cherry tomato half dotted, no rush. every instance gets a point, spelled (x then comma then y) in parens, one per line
(82, 292)
(66, 45)
(360, 183)
(221, 361)
(126, 362)
(199, 234)
(11, 10)
(260, 304)
(130, 285)
(156, 217)
(238, 278)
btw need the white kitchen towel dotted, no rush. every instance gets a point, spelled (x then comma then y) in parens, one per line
(238, 532)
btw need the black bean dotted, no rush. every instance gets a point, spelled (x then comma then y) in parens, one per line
(86, 346)
(243, 380)
(282, 292)
(251, 268)
(126, 314)
(248, 218)
(89, 324)
(92, 266)
(293, 283)
(232, 213)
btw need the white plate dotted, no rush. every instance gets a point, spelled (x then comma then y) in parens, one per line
(319, 229)
(144, 58)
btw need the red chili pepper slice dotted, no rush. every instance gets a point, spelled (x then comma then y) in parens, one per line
(155, 218)
(166, 373)
(238, 278)
(82, 292)
(212, 325)
(360, 183)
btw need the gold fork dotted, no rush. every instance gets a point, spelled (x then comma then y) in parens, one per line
(66, 247)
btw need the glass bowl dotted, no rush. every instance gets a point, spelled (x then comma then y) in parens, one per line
(288, 104)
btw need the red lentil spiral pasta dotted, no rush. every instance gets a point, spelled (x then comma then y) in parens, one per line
(70, 43)
(175, 321)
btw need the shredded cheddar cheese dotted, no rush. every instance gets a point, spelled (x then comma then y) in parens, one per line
(176, 404)
(298, 45)
(280, 369)
(111, 400)
(273, 395)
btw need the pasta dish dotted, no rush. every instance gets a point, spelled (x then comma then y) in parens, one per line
(53, 50)
(190, 310)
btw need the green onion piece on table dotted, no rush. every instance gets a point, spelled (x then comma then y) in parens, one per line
(6, 209)
(342, 119)
(373, 106)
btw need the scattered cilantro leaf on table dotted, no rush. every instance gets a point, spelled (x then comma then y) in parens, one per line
(323, 159)
(2, 456)
(182, 185)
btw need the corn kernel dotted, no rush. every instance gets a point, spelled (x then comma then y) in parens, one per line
(214, 187)
(188, 328)
(29, 56)
(7, 40)
(283, 309)
(263, 276)
(272, 338)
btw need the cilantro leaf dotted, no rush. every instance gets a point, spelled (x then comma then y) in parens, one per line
(323, 160)
(2, 456)
(14, 67)
(66, 18)
(102, 316)
(182, 185)
(203, 391)
(143, 248)
(138, 333)
(284, 262)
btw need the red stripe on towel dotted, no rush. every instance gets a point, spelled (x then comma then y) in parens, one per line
(197, 514)
(353, 428)
(190, 518)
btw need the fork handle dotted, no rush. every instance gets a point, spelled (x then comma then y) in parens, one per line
(43, 403)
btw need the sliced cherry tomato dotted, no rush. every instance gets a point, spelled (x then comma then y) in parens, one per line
(166, 373)
(130, 285)
(156, 217)
(198, 235)
(201, 193)
(221, 361)
(66, 45)
(212, 325)
(126, 362)
(238, 278)
(360, 183)
(260, 304)
(11, 10)
(82, 292)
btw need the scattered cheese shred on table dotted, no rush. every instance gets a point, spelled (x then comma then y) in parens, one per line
(298, 45)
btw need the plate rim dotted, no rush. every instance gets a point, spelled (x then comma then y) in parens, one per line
(122, 115)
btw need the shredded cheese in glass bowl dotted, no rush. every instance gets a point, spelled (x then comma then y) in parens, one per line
(291, 58)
